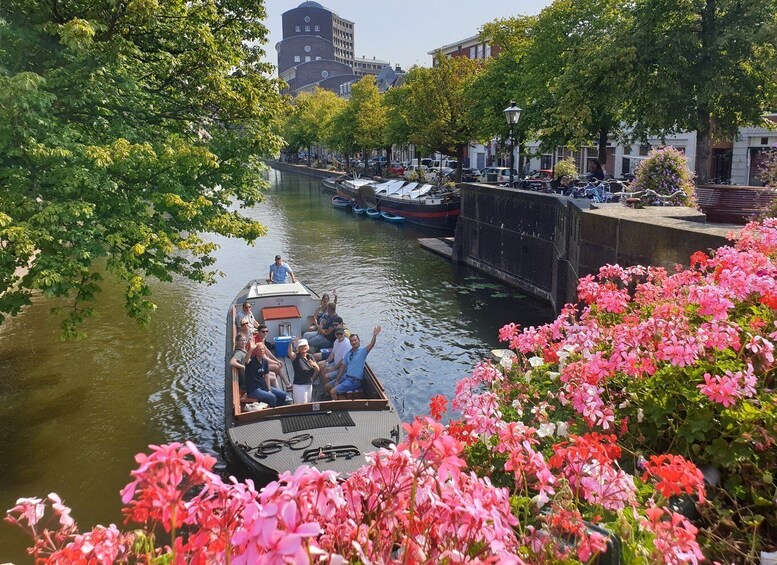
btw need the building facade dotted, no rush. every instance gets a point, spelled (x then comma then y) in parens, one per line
(317, 49)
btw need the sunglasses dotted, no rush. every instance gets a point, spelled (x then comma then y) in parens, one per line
(243, 323)
(265, 331)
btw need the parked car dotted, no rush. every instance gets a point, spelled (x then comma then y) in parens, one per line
(497, 174)
(397, 169)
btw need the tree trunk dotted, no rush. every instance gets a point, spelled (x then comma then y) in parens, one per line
(459, 160)
(310, 148)
(703, 145)
(347, 163)
(602, 153)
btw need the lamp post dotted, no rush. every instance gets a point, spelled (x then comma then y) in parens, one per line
(512, 115)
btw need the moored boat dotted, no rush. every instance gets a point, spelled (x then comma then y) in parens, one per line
(329, 435)
(373, 213)
(422, 204)
(393, 218)
(329, 184)
(340, 202)
(358, 209)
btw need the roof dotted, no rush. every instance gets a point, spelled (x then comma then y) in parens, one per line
(311, 4)
(462, 42)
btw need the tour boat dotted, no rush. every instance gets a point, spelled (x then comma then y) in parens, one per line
(422, 204)
(331, 435)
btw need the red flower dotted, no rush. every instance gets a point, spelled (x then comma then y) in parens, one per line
(438, 406)
(674, 475)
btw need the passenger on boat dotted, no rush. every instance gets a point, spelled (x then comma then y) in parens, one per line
(325, 336)
(247, 332)
(276, 365)
(279, 271)
(238, 360)
(248, 315)
(305, 372)
(351, 373)
(331, 364)
(258, 377)
(320, 315)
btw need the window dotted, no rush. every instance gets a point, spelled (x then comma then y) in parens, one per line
(472, 52)
(488, 50)
(316, 28)
(480, 51)
(307, 58)
(318, 58)
(297, 29)
(307, 48)
(764, 141)
(307, 19)
(307, 28)
(546, 161)
(296, 58)
(324, 74)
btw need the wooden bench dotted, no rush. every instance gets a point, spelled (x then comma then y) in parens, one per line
(734, 204)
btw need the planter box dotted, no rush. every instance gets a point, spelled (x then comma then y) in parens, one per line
(734, 204)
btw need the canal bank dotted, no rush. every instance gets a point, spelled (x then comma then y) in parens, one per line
(544, 243)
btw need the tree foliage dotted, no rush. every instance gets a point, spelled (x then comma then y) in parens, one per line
(439, 106)
(702, 65)
(126, 130)
(312, 115)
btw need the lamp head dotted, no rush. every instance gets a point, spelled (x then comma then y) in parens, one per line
(512, 113)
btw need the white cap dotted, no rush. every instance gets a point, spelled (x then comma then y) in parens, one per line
(301, 342)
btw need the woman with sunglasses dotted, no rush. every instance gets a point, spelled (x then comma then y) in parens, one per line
(275, 364)
(305, 372)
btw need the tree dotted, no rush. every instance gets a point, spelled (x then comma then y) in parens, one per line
(306, 125)
(397, 128)
(568, 67)
(704, 66)
(126, 130)
(370, 114)
(438, 106)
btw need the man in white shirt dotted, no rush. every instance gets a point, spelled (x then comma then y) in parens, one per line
(332, 363)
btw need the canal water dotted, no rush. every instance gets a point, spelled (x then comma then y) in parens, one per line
(73, 415)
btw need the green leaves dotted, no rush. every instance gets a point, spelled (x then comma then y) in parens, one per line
(126, 129)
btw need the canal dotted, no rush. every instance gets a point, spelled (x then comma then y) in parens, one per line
(72, 415)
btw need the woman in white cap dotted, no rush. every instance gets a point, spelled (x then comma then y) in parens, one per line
(305, 371)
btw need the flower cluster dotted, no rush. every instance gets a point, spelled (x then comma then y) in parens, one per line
(586, 439)
(664, 172)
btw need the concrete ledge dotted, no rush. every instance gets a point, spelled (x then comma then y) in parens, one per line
(302, 169)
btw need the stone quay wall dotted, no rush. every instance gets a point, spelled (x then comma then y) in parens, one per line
(543, 243)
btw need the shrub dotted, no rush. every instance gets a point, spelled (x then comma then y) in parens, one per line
(565, 168)
(769, 177)
(664, 173)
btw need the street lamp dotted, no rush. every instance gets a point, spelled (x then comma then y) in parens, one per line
(512, 115)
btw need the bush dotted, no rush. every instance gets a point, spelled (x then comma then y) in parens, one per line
(565, 168)
(664, 173)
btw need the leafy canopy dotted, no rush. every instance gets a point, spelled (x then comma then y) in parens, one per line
(126, 130)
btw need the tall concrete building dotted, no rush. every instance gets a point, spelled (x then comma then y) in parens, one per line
(317, 49)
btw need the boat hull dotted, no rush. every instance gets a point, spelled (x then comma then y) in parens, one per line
(328, 435)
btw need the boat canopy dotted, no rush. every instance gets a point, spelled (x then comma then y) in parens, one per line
(257, 290)
(422, 191)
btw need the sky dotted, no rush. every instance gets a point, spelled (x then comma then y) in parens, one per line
(404, 31)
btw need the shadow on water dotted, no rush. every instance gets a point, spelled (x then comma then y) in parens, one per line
(73, 415)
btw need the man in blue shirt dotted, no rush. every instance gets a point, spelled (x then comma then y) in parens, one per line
(351, 374)
(279, 270)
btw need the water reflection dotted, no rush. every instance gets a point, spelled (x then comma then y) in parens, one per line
(73, 415)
